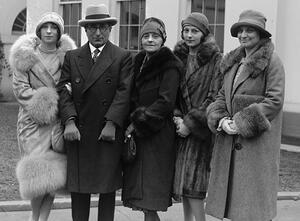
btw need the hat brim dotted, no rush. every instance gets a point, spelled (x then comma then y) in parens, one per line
(111, 20)
(235, 28)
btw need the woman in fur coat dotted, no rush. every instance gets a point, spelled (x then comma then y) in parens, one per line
(247, 117)
(198, 88)
(36, 61)
(148, 180)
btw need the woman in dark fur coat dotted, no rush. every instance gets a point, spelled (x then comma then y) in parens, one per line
(198, 88)
(148, 180)
(36, 60)
(247, 117)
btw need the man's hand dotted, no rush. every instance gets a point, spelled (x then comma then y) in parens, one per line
(108, 133)
(71, 132)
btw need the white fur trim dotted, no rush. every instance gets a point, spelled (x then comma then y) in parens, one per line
(42, 107)
(41, 174)
(23, 55)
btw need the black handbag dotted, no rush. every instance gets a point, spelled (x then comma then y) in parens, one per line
(129, 149)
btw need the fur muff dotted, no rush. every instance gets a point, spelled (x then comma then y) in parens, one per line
(251, 122)
(41, 174)
(144, 122)
(43, 108)
(241, 101)
(23, 55)
(215, 112)
(196, 121)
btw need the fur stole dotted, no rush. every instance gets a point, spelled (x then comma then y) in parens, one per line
(160, 61)
(206, 51)
(256, 63)
(39, 174)
(23, 54)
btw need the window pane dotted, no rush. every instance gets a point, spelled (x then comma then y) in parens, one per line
(197, 5)
(219, 35)
(134, 15)
(124, 13)
(220, 11)
(134, 38)
(66, 14)
(75, 14)
(142, 11)
(209, 10)
(123, 37)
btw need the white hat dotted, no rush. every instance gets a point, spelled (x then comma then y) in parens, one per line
(97, 14)
(52, 17)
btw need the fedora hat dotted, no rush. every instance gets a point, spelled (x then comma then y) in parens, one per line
(251, 18)
(97, 14)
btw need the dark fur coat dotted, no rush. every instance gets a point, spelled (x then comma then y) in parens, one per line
(148, 180)
(197, 90)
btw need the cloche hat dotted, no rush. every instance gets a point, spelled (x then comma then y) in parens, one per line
(154, 25)
(97, 14)
(251, 18)
(197, 20)
(52, 17)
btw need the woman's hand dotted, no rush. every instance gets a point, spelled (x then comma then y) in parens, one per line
(229, 127)
(181, 129)
(129, 130)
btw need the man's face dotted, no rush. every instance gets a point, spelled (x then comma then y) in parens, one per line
(98, 33)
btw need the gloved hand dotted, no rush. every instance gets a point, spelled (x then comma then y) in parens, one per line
(71, 132)
(229, 127)
(129, 130)
(108, 133)
(181, 129)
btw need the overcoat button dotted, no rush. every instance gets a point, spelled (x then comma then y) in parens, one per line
(104, 102)
(108, 81)
(238, 146)
(77, 80)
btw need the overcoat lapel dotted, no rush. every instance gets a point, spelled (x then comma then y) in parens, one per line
(40, 71)
(85, 62)
(245, 74)
(228, 86)
(104, 60)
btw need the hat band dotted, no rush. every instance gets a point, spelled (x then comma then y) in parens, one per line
(99, 16)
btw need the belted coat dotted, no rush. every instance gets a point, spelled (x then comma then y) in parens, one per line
(99, 92)
(244, 178)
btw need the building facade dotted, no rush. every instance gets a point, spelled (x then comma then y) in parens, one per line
(283, 18)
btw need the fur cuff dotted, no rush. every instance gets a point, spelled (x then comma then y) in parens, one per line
(41, 174)
(251, 122)
(215, 112)
(145, 123)
(42, 107)
(196, 121)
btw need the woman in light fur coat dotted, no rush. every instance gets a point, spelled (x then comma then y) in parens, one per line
(36, 61)
(198, 88)
(247, 117)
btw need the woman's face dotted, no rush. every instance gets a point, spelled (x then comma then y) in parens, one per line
(248, 37)
(151, 42)
(49, 33)
(192, 35)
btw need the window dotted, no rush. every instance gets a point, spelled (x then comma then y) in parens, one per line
(71, 15)
(19, 26)
(215, 12)
(132, 15)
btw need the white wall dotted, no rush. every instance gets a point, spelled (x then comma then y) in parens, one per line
(168, 12)
(288, 46)
(233, 8)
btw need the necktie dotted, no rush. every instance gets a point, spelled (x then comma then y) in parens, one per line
(95, 54)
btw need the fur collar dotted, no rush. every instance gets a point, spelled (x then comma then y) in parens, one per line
(255, 64)
(158, 62)
(23, 55)
(206, 50)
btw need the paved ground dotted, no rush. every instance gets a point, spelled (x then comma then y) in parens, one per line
(288, 210)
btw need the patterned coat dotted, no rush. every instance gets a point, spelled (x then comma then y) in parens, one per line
(148, 180)
(244, 179)
(38, 127)
(196, 92)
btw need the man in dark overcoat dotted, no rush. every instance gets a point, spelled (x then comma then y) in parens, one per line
(94, 94)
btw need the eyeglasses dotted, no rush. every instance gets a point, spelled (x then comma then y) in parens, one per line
(93, 28)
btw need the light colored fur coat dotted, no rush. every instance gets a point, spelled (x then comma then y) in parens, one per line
(40, 170)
